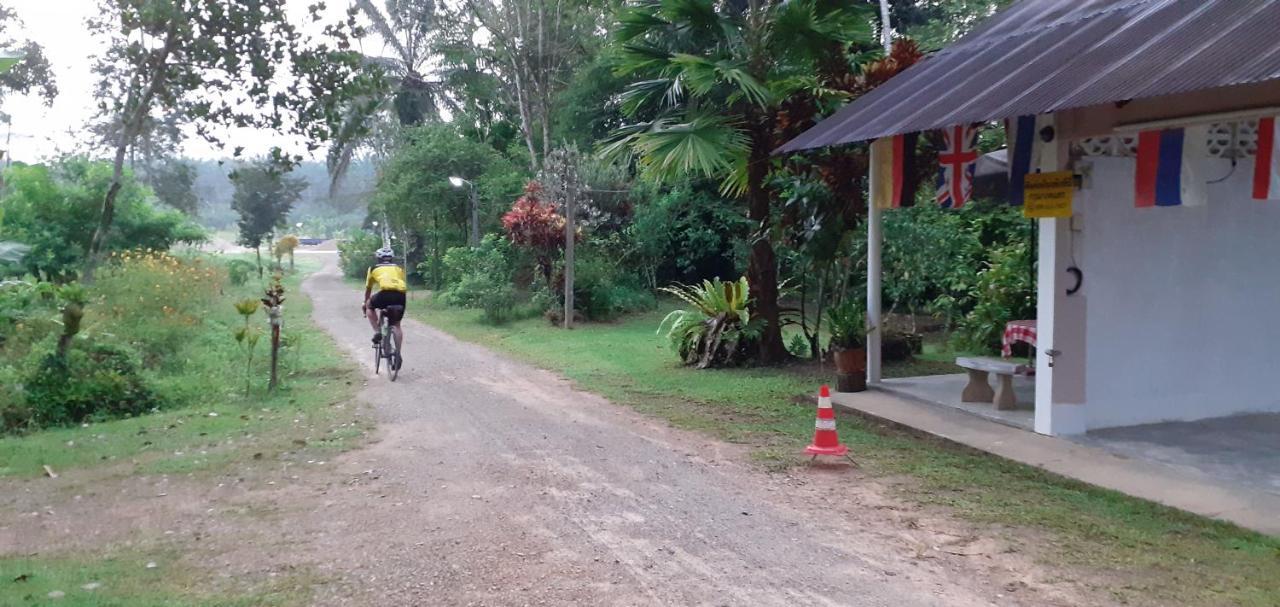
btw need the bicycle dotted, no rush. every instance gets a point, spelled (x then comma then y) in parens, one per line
(385, 348)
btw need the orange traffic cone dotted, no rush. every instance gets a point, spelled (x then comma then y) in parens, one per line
(825, 439)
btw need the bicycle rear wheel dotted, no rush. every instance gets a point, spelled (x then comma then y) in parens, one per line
(393, 355)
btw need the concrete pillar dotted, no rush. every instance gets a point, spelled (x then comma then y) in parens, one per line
(874, 269)
(1061, 318)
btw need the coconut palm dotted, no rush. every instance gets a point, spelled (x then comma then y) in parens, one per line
(709, 81)
(412, 96)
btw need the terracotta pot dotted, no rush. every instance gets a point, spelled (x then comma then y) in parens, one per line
(850, 361)
(851, 382)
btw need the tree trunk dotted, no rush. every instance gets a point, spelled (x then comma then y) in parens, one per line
(136, 111)
(762, 267)
(108, 215)
(257, 251)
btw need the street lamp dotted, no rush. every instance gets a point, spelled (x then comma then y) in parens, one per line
(474, 238)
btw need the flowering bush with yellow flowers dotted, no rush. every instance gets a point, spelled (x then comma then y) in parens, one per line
(154, 299)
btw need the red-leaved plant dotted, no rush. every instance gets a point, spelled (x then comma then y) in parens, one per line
(537, 226)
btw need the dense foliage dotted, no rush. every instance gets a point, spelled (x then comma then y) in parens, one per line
(154, 331)
(482, 278)
(54, 210)
(685, 103)
(416, 199)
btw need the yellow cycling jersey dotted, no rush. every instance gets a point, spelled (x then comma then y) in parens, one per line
(387, 277)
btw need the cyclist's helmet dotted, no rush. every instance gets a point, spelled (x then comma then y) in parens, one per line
(385, 254)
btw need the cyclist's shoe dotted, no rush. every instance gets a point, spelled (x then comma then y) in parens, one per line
(377, 338)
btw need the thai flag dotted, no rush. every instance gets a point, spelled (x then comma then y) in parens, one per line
(956, 165)
(1028, 152)
(1266, 167)
(1169, 167)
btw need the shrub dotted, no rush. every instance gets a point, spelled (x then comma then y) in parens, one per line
(1003, 292)
(687, 235)
(485, 278)
(355, 254)
(717, 331)
(601, 290)
(29, 313)
(847, 323)
(239, 270)
(536, 226)
(94, 381)
(154, 299)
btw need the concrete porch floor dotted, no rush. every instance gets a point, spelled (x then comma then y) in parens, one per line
(1205, 477)
(945, 390)
(1242, 450)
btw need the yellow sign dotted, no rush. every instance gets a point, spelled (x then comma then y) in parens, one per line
(1049, 194)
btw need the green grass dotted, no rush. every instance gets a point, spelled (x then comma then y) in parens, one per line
(212, 426)
(215, 422)
(124, 580)
(1162, 556)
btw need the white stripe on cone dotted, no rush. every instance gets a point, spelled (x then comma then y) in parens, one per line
(824, 402)
(825, 424)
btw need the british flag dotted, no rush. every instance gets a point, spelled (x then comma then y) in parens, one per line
(956, 164)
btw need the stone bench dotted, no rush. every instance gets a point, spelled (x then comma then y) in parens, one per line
(978, 390)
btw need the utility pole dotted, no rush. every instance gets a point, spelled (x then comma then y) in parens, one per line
(560, 170)
(473, 236)
(570, 208)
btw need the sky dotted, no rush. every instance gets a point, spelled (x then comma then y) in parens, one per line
(60, 27)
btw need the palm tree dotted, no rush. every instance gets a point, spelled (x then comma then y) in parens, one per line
(412, 97)
(710, 81)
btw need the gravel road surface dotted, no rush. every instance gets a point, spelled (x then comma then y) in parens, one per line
(517, 489)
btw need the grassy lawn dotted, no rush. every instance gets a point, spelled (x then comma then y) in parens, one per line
(211, 426)
(1162, 556)
(123, 579)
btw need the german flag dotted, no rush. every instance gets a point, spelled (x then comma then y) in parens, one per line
(895, 169)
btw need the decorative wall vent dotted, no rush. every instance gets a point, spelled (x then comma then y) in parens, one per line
(1226, 140)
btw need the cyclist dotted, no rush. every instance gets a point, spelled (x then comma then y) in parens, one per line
(392, 286)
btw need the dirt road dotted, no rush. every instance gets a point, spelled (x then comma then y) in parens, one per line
(519, 490)
(488, 482)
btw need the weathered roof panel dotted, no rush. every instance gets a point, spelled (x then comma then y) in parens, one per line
(1040, 56)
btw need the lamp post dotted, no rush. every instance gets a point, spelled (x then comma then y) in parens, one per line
(474, 238)
(8, 59)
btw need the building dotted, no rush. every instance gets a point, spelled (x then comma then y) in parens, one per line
(1177, 315)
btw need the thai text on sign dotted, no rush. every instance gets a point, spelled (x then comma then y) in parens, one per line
(1049, 194)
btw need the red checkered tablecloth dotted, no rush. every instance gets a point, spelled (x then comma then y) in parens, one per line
(1018, 330)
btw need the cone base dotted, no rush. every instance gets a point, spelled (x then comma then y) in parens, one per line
(836, 450)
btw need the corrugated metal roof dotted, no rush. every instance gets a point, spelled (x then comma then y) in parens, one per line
(1040, 56)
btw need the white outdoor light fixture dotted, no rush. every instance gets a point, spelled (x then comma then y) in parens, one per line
(457, 181)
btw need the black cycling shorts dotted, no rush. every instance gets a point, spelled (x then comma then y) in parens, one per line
(382, 299)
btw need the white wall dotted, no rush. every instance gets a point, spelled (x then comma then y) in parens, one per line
(1183, 308)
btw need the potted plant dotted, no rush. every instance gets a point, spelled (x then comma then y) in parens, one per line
(847, 323)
